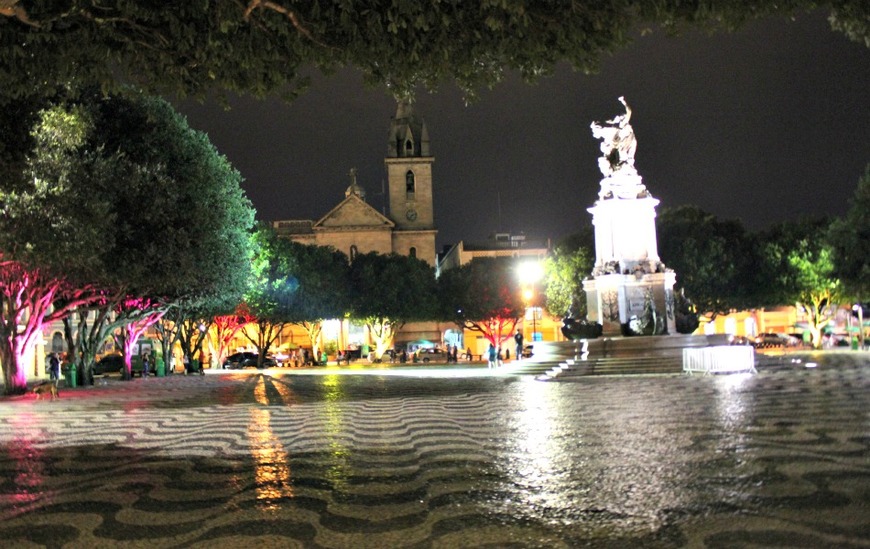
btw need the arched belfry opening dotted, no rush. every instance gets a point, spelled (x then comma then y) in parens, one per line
(410, 185)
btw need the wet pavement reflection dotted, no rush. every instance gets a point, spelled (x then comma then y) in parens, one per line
(278, 458)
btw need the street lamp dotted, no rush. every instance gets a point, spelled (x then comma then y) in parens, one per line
(530, 272)
(528, 294)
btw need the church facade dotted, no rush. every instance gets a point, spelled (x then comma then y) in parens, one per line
(355, 227)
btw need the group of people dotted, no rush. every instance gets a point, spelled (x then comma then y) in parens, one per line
(452, 355)
(494, 356)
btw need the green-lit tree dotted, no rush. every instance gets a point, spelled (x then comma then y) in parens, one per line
(293, 283)
(798, 269)
(122, 207)
(571, 261)
(387, 291)
(484, 296)
(714, 259)
(258, 47)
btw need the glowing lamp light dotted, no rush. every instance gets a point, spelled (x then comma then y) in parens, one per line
(530, 271)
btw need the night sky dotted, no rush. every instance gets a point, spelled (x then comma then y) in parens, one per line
(766, 124)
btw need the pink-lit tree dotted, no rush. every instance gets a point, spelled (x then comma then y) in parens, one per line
(140, 314)
(27, 304)
(483, 296)
(223, 330)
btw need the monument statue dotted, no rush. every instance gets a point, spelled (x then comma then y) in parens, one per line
(618, 145)
(631, 290)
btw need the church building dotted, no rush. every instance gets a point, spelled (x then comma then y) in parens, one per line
(355, 227)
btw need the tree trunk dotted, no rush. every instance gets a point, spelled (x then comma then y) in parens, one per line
(14, 378)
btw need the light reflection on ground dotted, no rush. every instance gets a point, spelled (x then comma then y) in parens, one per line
(435, 458)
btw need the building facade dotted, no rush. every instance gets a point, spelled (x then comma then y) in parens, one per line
(355, 227)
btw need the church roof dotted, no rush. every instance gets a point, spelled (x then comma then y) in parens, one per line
(353, 213)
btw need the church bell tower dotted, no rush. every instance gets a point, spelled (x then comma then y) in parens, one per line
(409, 170)
(409, 176)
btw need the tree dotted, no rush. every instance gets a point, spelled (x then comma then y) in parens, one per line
(571, 261)
(261, 47)
(26, 296)
(484, 296)
(315, 287)
(275, 297)
(388, 291)
(713, 258)
(850, 242)
(78, 238)
(223, 330)
(799, 268)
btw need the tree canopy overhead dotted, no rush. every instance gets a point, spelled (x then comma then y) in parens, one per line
(261, 47)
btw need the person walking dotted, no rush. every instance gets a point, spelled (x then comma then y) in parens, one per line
(53, 368)
(492, 356)
(518, 339)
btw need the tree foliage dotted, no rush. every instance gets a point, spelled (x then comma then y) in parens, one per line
(713, 258)
(484, 296)
(295, 283)
(850, 242)
(260, 47)
(571, 262)
(799, 270)
(388, 291)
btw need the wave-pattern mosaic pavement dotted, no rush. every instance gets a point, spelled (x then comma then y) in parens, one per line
(777, 459)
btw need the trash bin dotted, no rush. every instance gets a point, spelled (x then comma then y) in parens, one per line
(194, 367)
(160, 368)
(72, 379)
(854, 343)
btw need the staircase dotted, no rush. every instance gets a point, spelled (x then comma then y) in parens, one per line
(567, 361)
(571, 368)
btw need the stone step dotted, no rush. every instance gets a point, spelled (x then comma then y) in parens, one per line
(533, 368)
(614, 366)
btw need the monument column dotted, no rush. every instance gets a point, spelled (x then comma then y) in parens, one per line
(631, 290)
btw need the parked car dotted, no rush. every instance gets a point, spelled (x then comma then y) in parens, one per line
(247, 359)
(434, 354)
(109, 364)
(770, 339)
(739, 340)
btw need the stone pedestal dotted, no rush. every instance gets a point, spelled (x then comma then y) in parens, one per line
(617, 299)
(625, 235)
(629, 284)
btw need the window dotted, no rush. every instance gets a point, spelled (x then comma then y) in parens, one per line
(413, 251)
(409, 147)
(410, 184)
(353, 252)
(57, 342)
